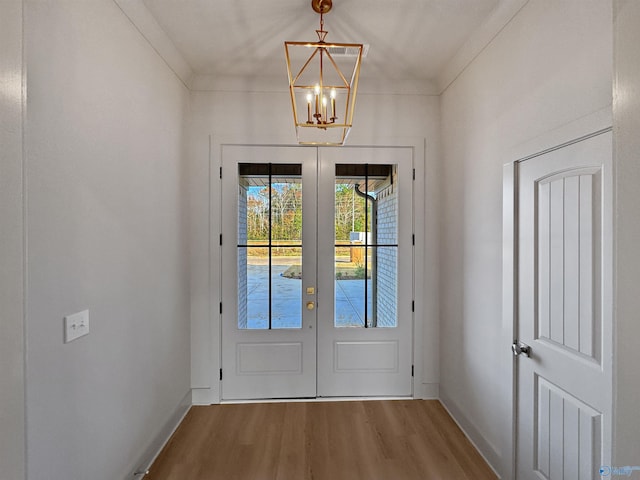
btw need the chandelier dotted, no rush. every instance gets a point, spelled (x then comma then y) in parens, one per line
(323, 82)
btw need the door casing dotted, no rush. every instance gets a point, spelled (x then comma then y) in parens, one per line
(420, 390)
(206, 320)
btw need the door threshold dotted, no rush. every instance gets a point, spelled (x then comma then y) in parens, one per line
(313, 399)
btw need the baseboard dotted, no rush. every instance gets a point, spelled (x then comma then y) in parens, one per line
(484, 448)
(162, 438)
(311, 400)
(203, 396)
(429, 391)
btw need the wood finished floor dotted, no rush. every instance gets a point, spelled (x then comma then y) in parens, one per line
(358, 440)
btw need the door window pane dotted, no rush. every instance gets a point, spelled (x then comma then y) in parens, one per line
(387, 291)
(286, 282)
(253, 288)
(269, 246)
(286, 211)
(349, 286)
(366, 225)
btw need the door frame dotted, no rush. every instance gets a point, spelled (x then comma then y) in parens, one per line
(206, 322)
(592, 125)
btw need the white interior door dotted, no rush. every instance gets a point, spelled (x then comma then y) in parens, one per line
(268, 262)
(564, 311)
(365, 320)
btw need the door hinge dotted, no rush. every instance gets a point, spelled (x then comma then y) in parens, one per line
(220, 172)
(220, 239)
(220, 374)
(412, 370)
(220, 308)
(414, 173)
(413, 239)
(413, 305)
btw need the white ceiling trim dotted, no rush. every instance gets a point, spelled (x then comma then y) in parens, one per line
(149, 28)
(478, 41)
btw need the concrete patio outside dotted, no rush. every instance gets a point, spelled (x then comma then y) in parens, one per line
(286, 308)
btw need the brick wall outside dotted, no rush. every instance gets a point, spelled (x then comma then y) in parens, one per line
(387, 256)
(242, 256)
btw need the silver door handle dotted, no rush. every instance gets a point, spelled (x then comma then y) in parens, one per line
(520, 348)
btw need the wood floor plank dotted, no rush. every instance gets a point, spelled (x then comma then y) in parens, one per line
(358, 440)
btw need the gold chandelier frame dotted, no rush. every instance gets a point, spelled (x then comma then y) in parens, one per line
(329, 122)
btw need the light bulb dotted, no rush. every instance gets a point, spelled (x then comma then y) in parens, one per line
(309, 97)
(333, 93)
(317, 89)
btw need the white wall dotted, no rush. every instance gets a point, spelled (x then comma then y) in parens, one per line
(107, 226)
(626, 121)
(12, 427)
(263, 115)
(550, 66)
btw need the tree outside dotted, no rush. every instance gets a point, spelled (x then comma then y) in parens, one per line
(286, 213)
(286, 226)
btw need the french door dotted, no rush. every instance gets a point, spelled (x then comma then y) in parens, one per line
(317, 272)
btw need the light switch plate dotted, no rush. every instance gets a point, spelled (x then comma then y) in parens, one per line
(76, 326)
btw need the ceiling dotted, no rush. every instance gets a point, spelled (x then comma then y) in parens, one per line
(409, 39)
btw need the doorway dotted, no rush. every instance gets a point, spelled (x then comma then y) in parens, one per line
(316, 295)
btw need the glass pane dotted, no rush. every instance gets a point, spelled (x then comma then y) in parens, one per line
(372, 277)
(263, 210)
(253, 287)
(286, 284)
(286, 211)
(349, 287)
(366, 207)
(349, 212)
(269, 245)
(367, 188)
(387, 215)
(253, 213)
(383, 292)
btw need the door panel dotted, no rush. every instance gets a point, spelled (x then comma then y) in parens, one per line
(365, 324)
(568, 434)
(269, 358)
(268, 261)
(366, 356)
(568, 226)
(562, 387)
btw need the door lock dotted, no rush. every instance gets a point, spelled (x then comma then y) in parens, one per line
(520, 348)
(310, 305)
